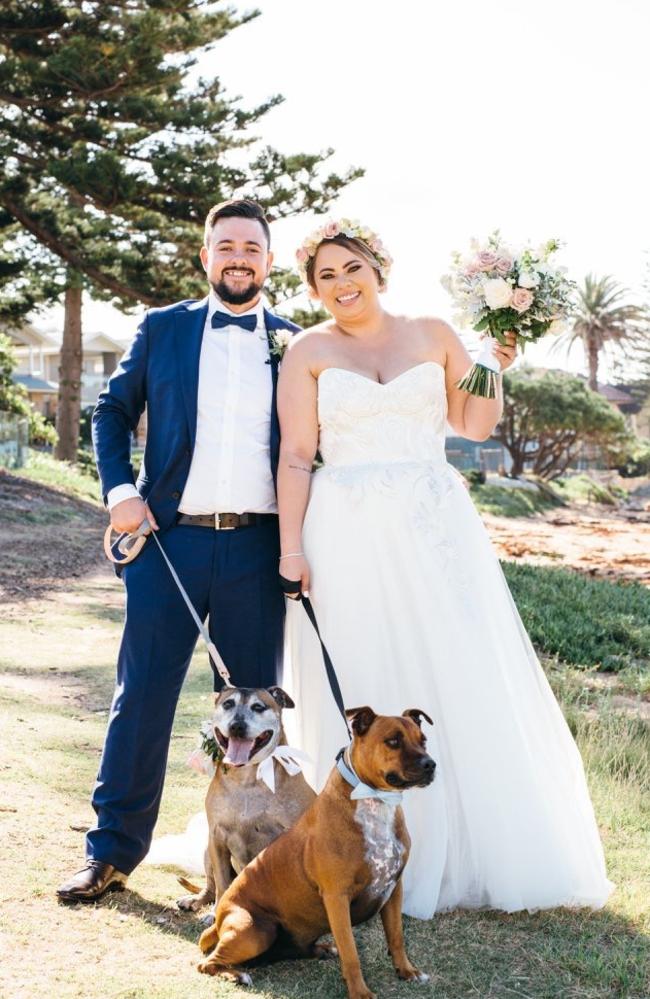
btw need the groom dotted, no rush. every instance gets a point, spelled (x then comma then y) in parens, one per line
(205, 373)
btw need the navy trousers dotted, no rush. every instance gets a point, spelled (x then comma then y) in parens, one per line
(233, 577)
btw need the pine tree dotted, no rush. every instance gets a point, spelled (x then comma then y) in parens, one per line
(113, 155)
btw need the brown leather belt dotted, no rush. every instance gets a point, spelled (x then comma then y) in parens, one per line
(226, 521)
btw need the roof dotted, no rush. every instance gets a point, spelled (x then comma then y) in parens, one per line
(614, 394)
(33, 384)
(94, 342)
(28, 336)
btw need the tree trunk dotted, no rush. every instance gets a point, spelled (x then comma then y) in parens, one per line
(69, 404)
(592, 359)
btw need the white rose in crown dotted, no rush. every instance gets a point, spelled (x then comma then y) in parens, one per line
(528, 279)
(498, 293)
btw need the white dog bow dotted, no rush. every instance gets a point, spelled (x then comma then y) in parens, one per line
(290, 759)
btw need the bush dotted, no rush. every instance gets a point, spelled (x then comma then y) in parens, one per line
(637, 462)
(583, 489)
(475, 476)
(584, 622)
(13, 398)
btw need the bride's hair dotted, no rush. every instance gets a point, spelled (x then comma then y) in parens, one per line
(351, 243)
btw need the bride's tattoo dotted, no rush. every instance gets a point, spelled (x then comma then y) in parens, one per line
(301, 468)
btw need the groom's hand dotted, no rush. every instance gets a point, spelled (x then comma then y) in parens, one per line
(129, 514)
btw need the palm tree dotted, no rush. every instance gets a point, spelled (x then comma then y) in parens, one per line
(602, 319)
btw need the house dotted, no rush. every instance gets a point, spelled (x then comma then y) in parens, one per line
(38, 353)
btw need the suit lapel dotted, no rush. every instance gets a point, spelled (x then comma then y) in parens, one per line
(189, 324)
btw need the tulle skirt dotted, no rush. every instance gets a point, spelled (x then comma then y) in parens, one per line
(416, 613)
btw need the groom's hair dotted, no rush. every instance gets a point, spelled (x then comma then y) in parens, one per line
(243, 208)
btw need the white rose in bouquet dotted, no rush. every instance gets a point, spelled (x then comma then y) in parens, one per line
(498, 293)
(528, 279)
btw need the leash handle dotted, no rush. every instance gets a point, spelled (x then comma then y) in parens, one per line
(289, 587)
(220, 665)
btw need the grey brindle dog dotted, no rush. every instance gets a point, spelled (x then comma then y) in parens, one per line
(244, 815)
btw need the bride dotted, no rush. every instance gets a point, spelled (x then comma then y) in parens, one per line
(411, 600)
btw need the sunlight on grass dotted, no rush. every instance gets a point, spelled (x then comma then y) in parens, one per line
(46, 469)
(56, 682)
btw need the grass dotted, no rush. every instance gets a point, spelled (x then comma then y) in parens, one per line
(56, 676)
(581, 488)
(44, 468)
(583, 621)
(506, 501)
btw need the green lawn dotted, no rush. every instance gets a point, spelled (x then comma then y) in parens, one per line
(56, 675)
(587, 622)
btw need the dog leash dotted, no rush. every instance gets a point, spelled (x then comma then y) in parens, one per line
(129, 546)
(289, 587)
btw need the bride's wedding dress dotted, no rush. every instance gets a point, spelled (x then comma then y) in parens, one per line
(415, 611)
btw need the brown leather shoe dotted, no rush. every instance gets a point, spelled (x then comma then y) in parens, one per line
(93, 881)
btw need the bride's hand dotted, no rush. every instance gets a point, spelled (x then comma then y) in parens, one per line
(505, 355)
(296, 567)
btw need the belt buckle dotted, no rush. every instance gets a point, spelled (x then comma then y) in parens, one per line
(218, 526)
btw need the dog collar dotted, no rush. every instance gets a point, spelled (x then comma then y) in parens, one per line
(361, 790)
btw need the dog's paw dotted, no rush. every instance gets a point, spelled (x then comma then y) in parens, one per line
(324, 951)
(189, 903)
(212, 967)
(209, 967)
(411, 974)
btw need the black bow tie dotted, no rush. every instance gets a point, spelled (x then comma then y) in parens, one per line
(221, 319)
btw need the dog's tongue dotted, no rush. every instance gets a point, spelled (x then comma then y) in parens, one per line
(238, 751)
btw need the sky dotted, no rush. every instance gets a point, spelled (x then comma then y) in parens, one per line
(467, 116)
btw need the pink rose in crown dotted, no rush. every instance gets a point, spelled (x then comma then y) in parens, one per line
(522, 299)
(376, 246)
(486, 260)
(331, 230)
(302, 256)
(503, 265)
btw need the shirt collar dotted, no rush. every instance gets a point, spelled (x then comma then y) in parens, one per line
(216, 305)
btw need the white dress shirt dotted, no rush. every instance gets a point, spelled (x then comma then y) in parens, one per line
(231, 464)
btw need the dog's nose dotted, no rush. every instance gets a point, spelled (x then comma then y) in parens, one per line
(238, 728)
(427, 764)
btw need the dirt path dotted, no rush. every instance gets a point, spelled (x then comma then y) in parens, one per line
(607, 544)
(47, 538)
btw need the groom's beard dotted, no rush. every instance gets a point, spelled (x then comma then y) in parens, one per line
(230, 297)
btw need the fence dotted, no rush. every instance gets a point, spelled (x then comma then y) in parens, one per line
(14, 440)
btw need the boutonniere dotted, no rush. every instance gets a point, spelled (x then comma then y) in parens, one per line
(279, 340)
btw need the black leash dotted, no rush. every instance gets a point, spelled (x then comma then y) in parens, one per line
(290, 586)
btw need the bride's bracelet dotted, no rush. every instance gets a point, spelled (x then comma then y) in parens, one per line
(292, 555)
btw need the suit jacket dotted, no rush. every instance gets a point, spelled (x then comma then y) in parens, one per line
(161, 369)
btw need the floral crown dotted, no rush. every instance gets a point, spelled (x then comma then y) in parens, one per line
(353, 229)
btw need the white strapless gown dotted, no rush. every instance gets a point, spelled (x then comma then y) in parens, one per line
(415, 612)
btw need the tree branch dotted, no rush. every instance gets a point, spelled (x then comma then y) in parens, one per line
(75, 260)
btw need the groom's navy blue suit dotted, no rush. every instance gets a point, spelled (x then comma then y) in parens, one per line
(232, 575)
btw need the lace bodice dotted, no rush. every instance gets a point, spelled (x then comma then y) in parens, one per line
(366, 422)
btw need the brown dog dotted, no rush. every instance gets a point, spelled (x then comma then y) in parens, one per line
(244, 815)
(340, 864)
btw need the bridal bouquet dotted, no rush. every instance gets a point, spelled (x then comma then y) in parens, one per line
(499, 290)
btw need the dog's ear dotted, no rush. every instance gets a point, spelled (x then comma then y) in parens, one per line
(417, 714)
(360, 719)
(281, 696)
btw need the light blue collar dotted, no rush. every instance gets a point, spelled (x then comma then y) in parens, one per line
(361, 790)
